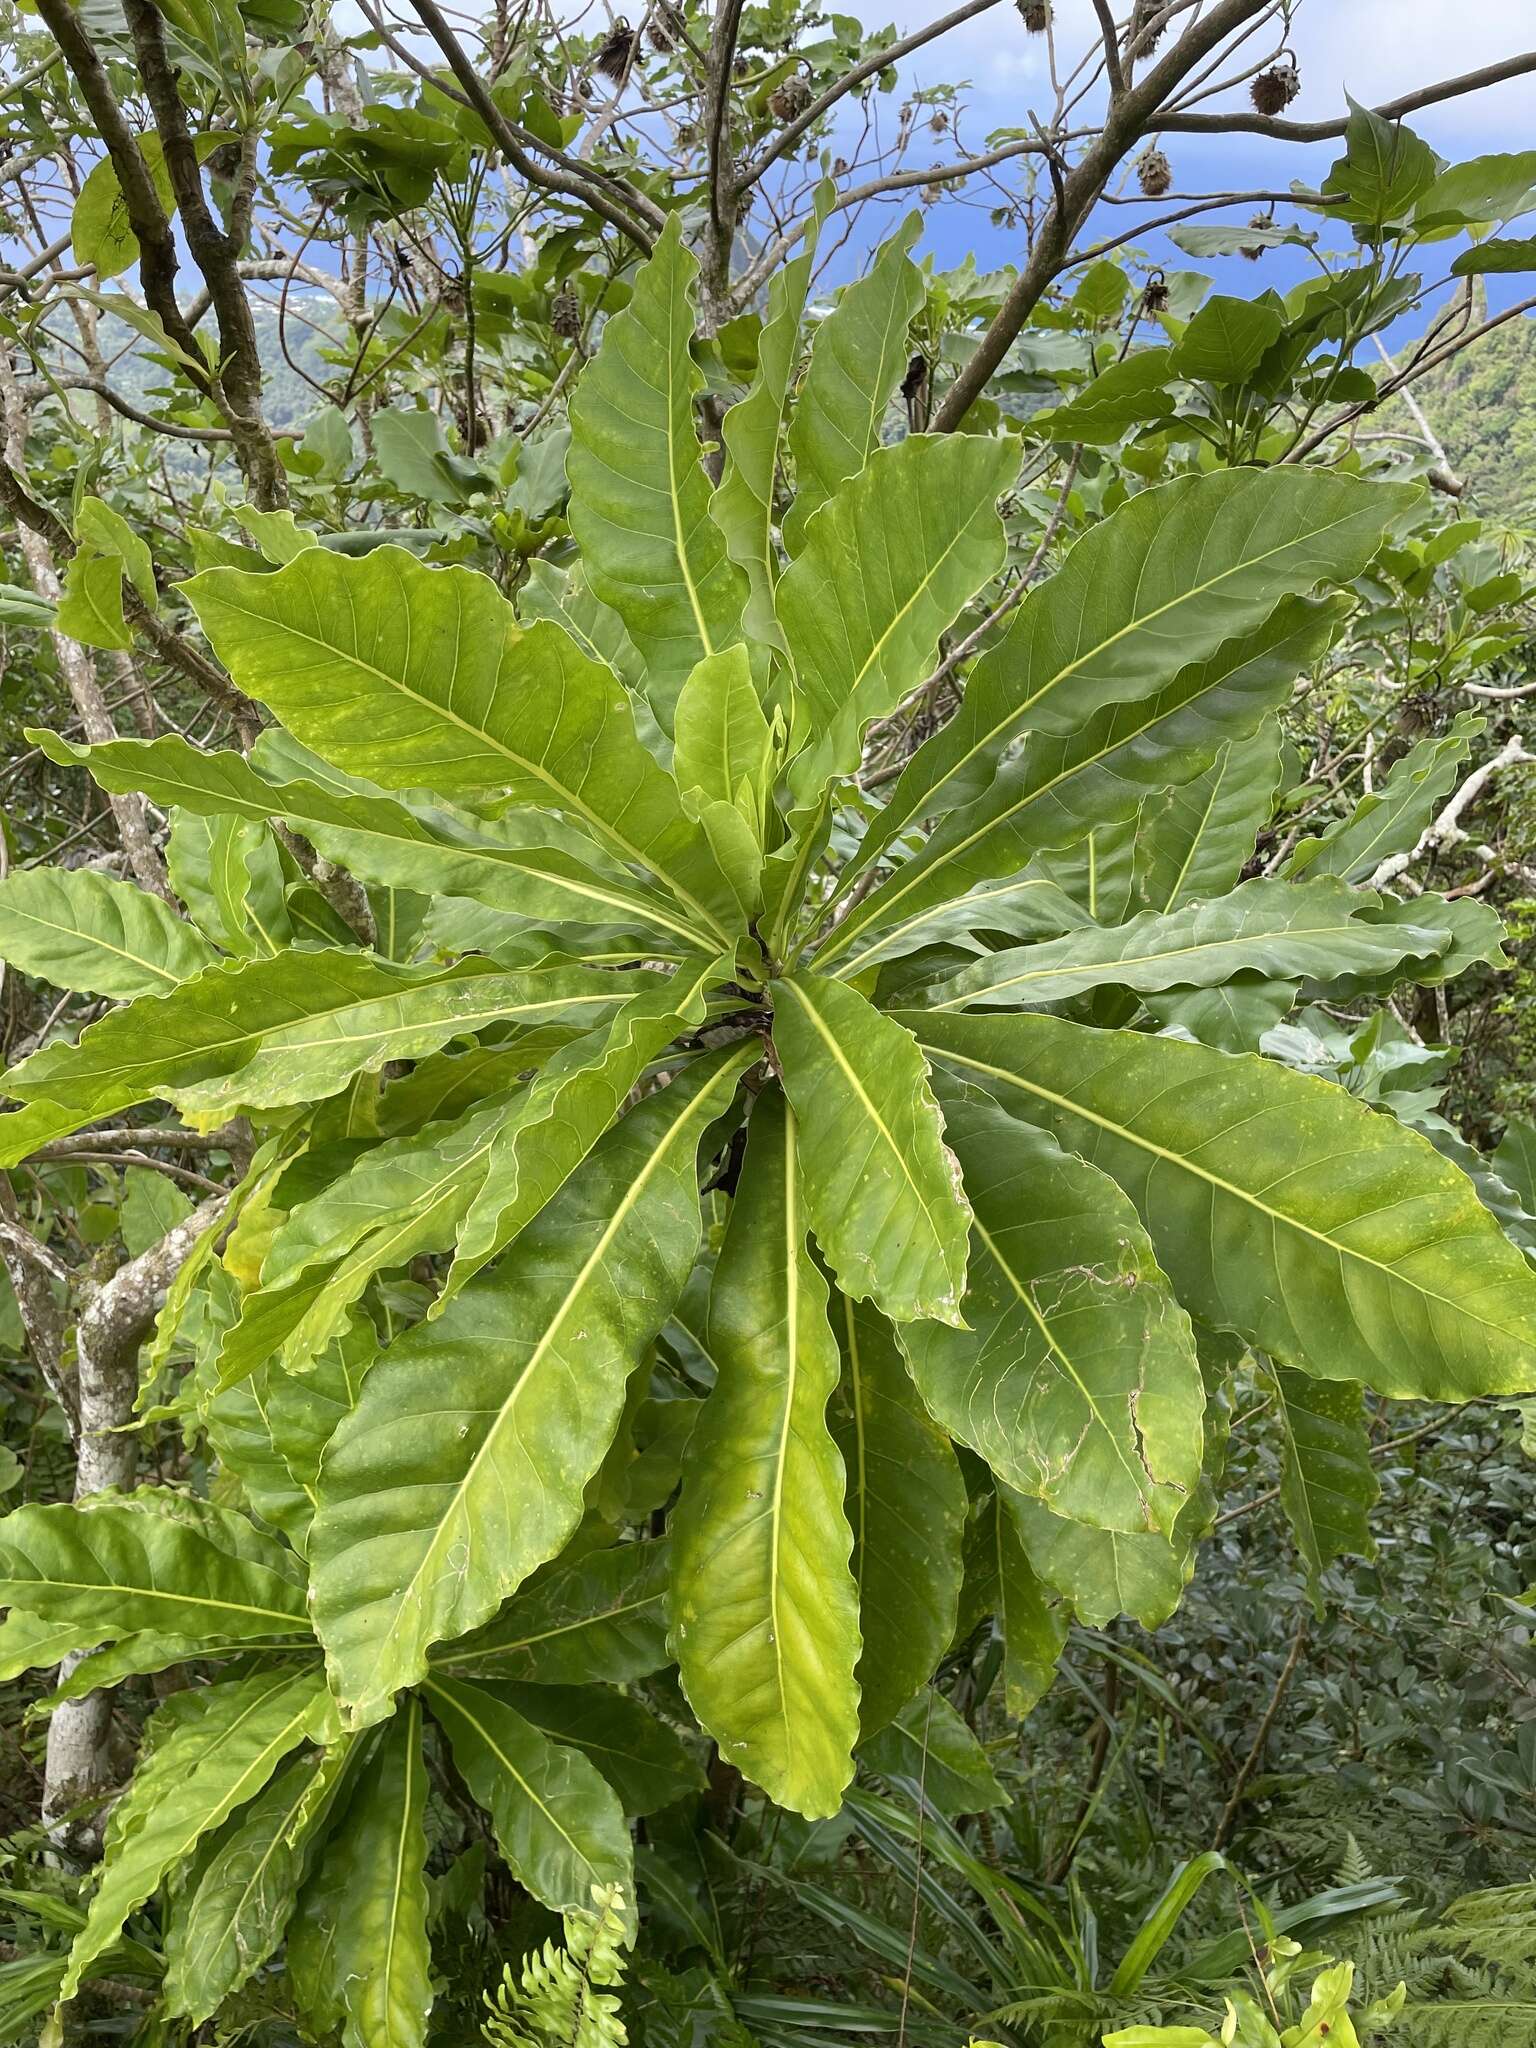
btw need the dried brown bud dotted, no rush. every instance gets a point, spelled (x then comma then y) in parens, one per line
(1273, 90)
(565, 312)
(1036, 15)
(1154, 173)
(1254, 250)
(916, 377)
(667, 26)
(1144, 12)
(789, 100)
(618, 51)
(1154, 299)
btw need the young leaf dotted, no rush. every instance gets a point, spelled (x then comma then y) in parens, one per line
(906, 1502)
(350, 656)
(558, 1822)
(85, 931)
(887, 564)
(1390, 819)
(1288, 931)
(116, 1570)
(742, 506)
(882, 1193)
(463, 1465)
(859, 352)
(722, 742)
(1077, 1379)
(765, 1623)
(1327, 1484)
(1280, 1207)
(639, 496)
(213, 1750)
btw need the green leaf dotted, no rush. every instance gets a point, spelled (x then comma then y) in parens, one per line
(639, 497)
(765, 1624)
(524, 861)
(1104, 1573)
(213, 1750)
(1227, 339)
(887, 564)
(930, 1745)
(295, 1028)
(229, 1920)
(1384, 171)
(1515, 1160)
(601, 1619)
(1288, 931)
(1169, 580)
(722, 742)
(1327, 1483)
(98, 526)
(742, 505)
(1485, 188)
(1077, 1378)
(91, 610)
(905, 1501)
(882, 1193)
(1198, 840)
(1034, 1626)
(857, 356)
(377, 1953)
(100, 235)
(1281, 1209)
(597, 629)
(1498, 258)
(1029, 906)
(28, 1643)
(1391, 818)
(1121, 397)
(558, 1822)
(642, 1759)
(84, 931)
(117, 1569)
(463, 1465)
(350, 656)
(413, 454)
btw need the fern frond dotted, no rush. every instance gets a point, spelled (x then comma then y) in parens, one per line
(555, 2000)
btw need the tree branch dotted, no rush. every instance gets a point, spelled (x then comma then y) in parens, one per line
(1281, 130)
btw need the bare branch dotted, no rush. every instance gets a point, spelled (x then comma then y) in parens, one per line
(1324, 131)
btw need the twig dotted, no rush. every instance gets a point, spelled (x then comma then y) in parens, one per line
(1251, 1761)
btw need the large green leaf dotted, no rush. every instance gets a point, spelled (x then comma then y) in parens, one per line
(1063, 789)
(742, 506)
(1327, 1484)
(1104, 1573)
(523, 862)
(295, 1028)
(228, 1921)
(601, 1619)
(765, 1623)
(558, 1822)
(1197, 841)
(882, 1193)
(1027, 906)
(116, 1569)
(887, 564)
(1289, 931)
(1281, 1208)
(905, 1501)
(212, 1750)
(374, 1876)
(930, 1745)
(1077, 1378)
(639, 496)
(81, 930)
(1033, 1625)
(354, 658)
(1163, 584)
(859, 352)
(463, 1465)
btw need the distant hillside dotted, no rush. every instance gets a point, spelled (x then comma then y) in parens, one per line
(1482, 404)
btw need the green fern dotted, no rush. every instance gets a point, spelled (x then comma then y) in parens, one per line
(555, 2001)
(1471, 1974)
